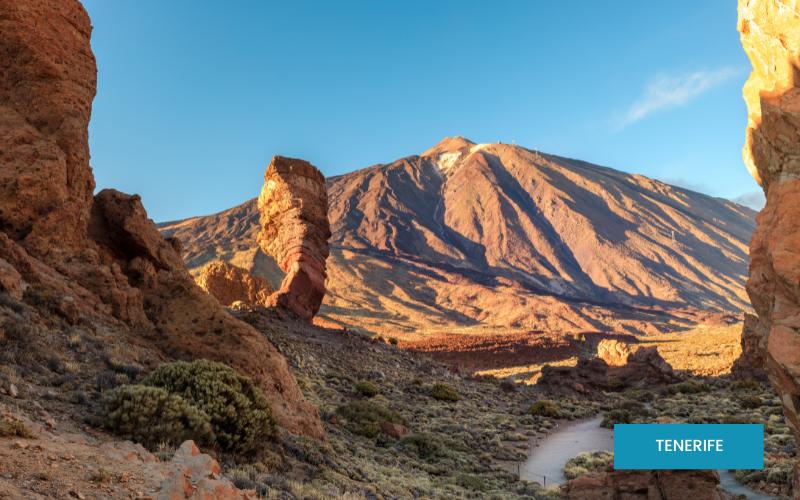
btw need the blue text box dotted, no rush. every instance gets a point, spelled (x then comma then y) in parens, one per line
(688, 446)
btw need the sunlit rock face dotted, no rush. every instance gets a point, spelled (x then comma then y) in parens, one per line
(293, 216)
(770, 34)
(99, 258)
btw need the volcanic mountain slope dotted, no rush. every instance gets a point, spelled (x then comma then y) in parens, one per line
(482, 237)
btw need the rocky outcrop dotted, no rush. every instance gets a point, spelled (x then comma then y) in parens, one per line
(646, 485)
(46, 91)
(769, 34)
(613, 352)
(228, 284)
(750, 364)
(196, 475)
(100, 258)
(615, 366)
(293, 215)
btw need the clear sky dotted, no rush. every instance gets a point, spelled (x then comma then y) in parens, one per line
(194, 97)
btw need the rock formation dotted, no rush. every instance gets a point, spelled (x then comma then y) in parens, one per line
(750, 363)
(770, 34)
(228, 284)
(293, 208)
(613, 352)
(615, 366)
(100, 258)
(646, 485)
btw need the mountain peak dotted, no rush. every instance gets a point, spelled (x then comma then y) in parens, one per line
(449, 145)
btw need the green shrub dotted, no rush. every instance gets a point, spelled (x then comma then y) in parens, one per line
(470, 482)
(367, 388)
(364, 417)
(586, 462)
(15, 428)
(750, 402)
(617, 416)
(238, 411)
(745, 385)
(690, 387)
(151, 416)
(444, 392)
(425, 446)
(545, 408)
(393, 340)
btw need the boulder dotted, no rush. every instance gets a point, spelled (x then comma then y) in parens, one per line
(293, 216)
(229, 284)
(769, 34)
(646, 485)
(196, 475)
(613, 352)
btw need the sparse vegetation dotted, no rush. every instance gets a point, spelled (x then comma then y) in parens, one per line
(545, 408)
(444, 392)
(364, 417)
(367, 388)
(586, 462)
(12, 427)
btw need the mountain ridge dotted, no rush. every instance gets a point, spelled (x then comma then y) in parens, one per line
(477, 236)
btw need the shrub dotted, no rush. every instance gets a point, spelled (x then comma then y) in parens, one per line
(470, 482)
(444, 392)
(238, 411)
(745, 385)
(508, 385)
(690, 387)
(367, 388)
(617, 416)
(545, 408)
(750, 402)
(364, 417)
(15, 428)
(425, 446)
(588, 462)
(151, 415)
(393, 340)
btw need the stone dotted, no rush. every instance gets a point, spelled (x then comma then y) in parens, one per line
(613, 352)
(100, 257)
(230, 284)
(46, 91)
(750, 363)
(646, 485)
(394, 430)
(293, 216)
(196, 475)
(770, 35)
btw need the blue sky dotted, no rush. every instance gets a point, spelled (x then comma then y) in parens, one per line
(194, 97)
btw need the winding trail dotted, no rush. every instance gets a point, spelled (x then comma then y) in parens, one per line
(546, 462)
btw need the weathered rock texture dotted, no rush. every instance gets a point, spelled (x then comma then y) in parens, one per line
(750, 363)
(100, 258)
(770, 34)
(615, 366)
(646, 485)
(46, 91)
(293, 215)
(228, 284)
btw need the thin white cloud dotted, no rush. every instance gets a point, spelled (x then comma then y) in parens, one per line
(671, 91)
(754, 200)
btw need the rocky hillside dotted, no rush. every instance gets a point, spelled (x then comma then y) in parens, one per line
(484, 236)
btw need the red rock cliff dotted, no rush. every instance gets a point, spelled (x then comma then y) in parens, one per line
(293, 214)
(770, 34)
(100, 258)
